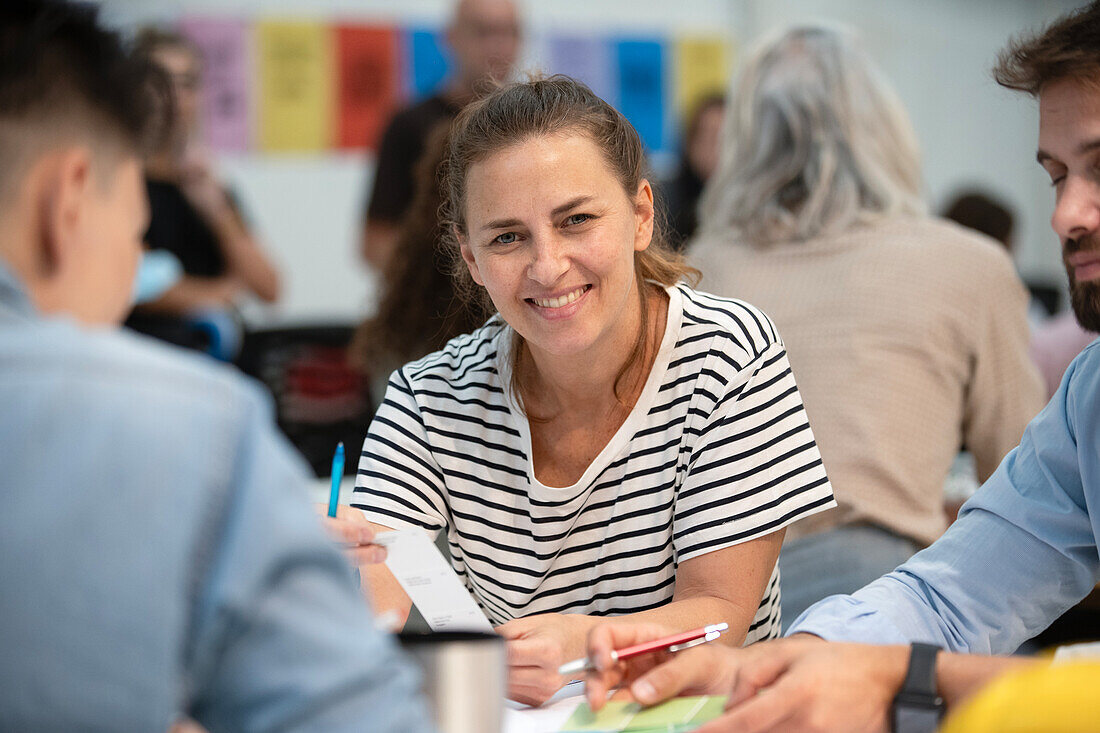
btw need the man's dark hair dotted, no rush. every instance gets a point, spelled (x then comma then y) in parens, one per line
(60, 70)
(1068, 49)
(982, 213)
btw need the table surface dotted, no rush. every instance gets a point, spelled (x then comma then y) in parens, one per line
(546, 719)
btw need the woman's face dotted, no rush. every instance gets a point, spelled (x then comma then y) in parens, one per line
(184, 70)
(551, 235)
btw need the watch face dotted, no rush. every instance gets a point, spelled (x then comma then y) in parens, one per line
(916, 719)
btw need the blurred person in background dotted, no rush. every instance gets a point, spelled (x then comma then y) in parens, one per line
(983, 212)
(419, 310)
(484, 36)
(196, 219)
(698, 159)
(908, 334)
(158, 556)
(1056, 337)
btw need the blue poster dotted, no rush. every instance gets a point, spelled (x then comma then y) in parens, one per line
(641, 69)
(428, 61)
(588, 59)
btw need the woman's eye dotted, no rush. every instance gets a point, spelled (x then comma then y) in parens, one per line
(578, 219)
(506, 238)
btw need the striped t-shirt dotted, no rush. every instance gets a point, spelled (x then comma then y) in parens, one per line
(716, 451)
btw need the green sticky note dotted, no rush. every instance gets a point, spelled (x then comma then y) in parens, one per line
(673, 716)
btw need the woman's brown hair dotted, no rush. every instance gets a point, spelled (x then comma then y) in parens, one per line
(537, 108)
(418, 312)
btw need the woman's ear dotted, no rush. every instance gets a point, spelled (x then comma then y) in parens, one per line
(468, 256)
(643, 216)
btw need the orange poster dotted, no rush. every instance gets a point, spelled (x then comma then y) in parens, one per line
(368, 76)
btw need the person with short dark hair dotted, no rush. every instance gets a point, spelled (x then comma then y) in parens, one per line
(158, 556)
(1025, 547)
(484, 36)
(982, 213)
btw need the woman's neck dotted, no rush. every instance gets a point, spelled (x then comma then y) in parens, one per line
(557, 386)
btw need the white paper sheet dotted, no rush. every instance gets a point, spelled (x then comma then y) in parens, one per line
(431, 583)
(546, 719)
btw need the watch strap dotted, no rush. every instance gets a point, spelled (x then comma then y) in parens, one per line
(917, 707)
(920, 679)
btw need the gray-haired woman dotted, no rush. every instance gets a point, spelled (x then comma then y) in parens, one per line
(908, 334)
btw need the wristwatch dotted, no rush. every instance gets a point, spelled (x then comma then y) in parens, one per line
(918, 708)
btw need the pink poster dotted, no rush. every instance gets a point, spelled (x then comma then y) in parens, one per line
(226, 73)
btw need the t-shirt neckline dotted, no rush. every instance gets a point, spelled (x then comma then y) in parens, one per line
(622, 436)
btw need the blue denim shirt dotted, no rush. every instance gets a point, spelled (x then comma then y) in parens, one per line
(158, 556)
(1023, 551)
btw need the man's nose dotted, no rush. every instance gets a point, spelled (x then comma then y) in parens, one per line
(1077, 212)
(549, 261)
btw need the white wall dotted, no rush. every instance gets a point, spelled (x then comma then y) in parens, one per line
(937, 52)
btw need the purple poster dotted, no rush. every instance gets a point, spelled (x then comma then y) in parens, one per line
(588, 59)
(226, 76)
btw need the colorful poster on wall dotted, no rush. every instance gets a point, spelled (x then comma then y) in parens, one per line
(225, 115)
(702, 68)
(428, 60)
(296, 85)
(587, 59)
(368, 70)
(641, 64)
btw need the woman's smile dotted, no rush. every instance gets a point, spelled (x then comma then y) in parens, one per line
(558, 306)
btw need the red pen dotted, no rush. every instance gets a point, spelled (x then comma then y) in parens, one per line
(674, 643)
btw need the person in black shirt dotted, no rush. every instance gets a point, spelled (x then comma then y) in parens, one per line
(192, 216)
(484, 36)
(697, 162)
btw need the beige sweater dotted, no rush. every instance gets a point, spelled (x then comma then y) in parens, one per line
(908, 339)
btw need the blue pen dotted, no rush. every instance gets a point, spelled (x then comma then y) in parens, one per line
(337, 474)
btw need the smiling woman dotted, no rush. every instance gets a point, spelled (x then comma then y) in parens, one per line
(611, 442)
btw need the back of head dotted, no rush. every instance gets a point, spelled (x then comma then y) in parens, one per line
(815, 141)
(64, 80)
(1068, 49)
(982, 213)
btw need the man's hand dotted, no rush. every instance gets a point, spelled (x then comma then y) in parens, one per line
(537, 646)
(797, 684)
(651, 678)
(354, 534)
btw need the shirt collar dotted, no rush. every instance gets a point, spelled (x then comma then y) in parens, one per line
(13, 297)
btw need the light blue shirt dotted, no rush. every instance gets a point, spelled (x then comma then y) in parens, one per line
(158, 555)
(1023, 551)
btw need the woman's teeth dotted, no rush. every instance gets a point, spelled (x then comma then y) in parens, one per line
(559, 302)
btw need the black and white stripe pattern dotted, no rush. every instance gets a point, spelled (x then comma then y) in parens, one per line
(717, 451)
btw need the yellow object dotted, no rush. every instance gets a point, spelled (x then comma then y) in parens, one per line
(702, 67)
(297, 87)
(1064, 698)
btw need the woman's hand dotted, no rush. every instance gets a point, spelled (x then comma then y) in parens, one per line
(537, 646)
(351, 530)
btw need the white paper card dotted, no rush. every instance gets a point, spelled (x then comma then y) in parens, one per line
(1077, 652)
(431, 583)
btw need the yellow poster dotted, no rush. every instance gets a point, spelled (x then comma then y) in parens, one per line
(297, 85)
(702, 67)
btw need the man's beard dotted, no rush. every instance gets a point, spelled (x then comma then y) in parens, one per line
(1084, 297)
